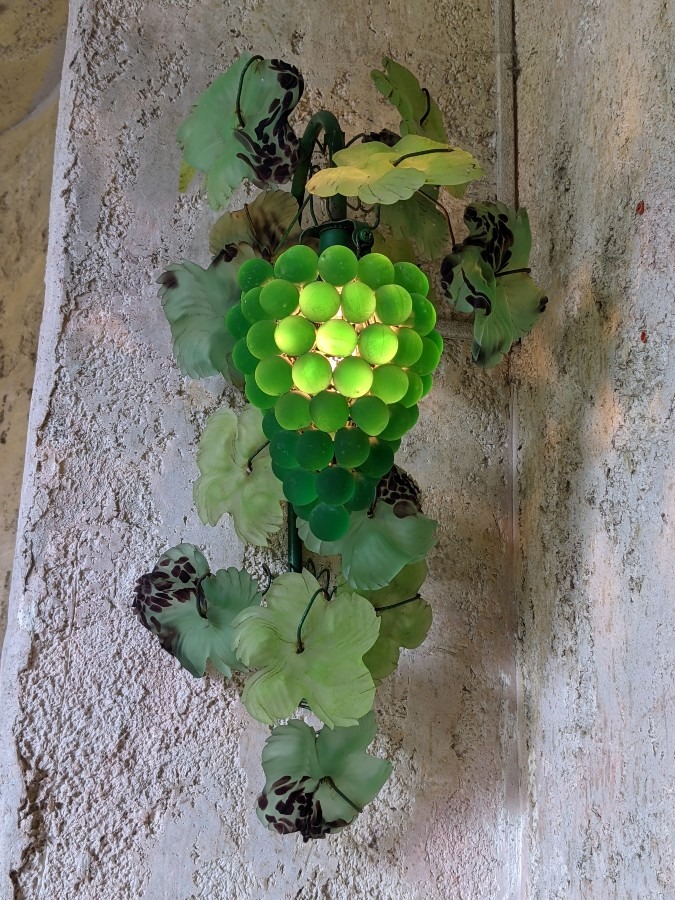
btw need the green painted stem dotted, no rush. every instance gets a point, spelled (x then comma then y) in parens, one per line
(294, 543)
(335, 140)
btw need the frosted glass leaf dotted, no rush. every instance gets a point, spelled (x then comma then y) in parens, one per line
(251, 495)
(255, 142)
(191, 611)
(502, 234)
(378, 173)
(419, 113)
(195, 302)
(261, 224)
(304, 773)
(185, 176)
(418, 219)
(375, 548)
(328, 672)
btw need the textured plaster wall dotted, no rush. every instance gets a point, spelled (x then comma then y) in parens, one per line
(32, 36)
(122, 776)
(594, 420)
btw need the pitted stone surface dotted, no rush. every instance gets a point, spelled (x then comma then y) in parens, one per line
(125, 777)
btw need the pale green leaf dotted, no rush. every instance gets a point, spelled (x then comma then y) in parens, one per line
(185, 176)
(191, 611)
(420, 220)
(252, 494)
(326, 669)
(375, 548)
(419, 113)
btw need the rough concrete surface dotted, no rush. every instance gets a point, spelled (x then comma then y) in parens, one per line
(124, 777)
(32, 36)
(594, 429)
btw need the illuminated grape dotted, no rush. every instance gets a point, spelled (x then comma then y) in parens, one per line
(338, 265)
(370, 414)
(336, 338)
(243, 359)
(250, 306)
(423, 315)
(329, 411)
(380, 460)
(274, 376)
(375, 269)
(319, 301)
(236, 323)
(292, 411)
(279, 298)
(297, 264)
(300, 486)
(335, 485)
(358, 302)
(352, 447)
(411, 278)
(295, 335)
(314, 450)
(394, 304)
(353, 377)
(253, 273)
(282, 449)
(409, 347)
(378, 344)
(364, 492)
(415, 390)
(256, 396)
(312, 373)
(329, 523)
(429, 358)
(260, 339)
(390, 383)
(401, 420)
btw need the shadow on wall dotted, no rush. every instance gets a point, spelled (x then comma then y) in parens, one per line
(32, 42)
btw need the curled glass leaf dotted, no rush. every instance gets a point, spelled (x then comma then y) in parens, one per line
(261, 224)
(376, 547)
(377, 173)
(487, 274)
(419, 113)
(195, 302)
(317, 784)
(237, 479)
(320, 662)
(191, 610)
(252, 139)
(420, 220)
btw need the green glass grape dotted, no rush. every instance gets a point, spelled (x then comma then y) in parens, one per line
(243, 359)
(335, 485)
(409, 347)
(401, 420)
(279, 298)
(352, 447)
(303, 512)
(319, 301)
(423, 315)
(394, 304)
(375, 269)
(253, 273)
(338, 265)
(300, 486)
(427, 384)
(274, 375)
(329, 523)
(295, 335)
(429, 358)
(292, 411)
(329, 411)
(415, 390)
(336, 338)
(390, 383)
(260, 339)
(364, 492)
(411, 277)
(378, 344)
(437, 339)
(282, 449)
(236, 322)
(380, 460)
(312, 373)
(270, 424)
(256, 396)
(250, 306)
(353, 377)
(297, 264)
(314, 450)
(370, 414)
(358, 302)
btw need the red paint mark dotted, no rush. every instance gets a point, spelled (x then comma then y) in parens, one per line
(640, 208)
(643, 337)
